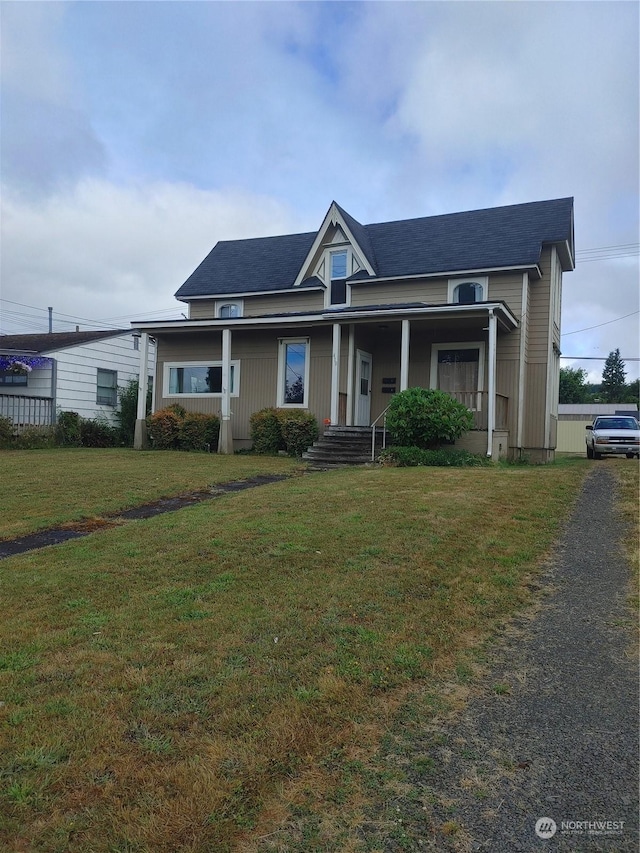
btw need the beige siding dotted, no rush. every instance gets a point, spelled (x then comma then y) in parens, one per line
(281, 303)
(535, 423)
(507, 288)
(433, 291)
(539, 312)
(203, 309)
(255, 306)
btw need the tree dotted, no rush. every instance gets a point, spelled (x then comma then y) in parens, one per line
(573, 388)
(614, 378)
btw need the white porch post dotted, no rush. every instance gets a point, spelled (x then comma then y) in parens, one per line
(351, 359)
(404, 356)
(335, 374)
(140, 434)
(491, 390)
(225, 438)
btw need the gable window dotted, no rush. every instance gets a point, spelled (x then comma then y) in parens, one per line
(196, 379)
(469, 291)
(228, 309)
(338, 283)
(293, 372)
(107, 393)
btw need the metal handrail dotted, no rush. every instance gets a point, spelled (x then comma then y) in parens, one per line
(384, 432)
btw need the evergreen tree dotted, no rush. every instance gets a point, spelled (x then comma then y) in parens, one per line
(614, 378)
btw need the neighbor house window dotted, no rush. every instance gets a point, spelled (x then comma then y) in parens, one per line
(107, 394)
(293, 372)
(468, 292)
(12, 379)
(195, 379)
(225, 310)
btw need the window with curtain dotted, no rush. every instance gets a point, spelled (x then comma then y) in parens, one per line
(458, 369)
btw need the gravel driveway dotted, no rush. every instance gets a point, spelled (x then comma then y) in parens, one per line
(553, 730)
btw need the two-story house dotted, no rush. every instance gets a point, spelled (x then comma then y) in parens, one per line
(338, 320)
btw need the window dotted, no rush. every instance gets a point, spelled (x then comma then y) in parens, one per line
(226, 310)
(468, 292)
(338, 283)
(195, 379)
(293, 372)
(13, 379)
(107, 387)
(458, 369)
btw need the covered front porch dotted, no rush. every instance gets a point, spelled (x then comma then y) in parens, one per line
(342, 365)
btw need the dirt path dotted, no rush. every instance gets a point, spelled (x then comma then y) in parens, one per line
(77, 529)
(552, 732)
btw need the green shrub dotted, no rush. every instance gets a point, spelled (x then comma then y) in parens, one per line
(410, 457)
(174, 428)
(98, 433)
(35, 438)
(298, 432)
(265, 431)
(127, 414)
(163, 428)
(292, 430)
(6, 432)
(420, 417)
(199, 432)
(68, 429)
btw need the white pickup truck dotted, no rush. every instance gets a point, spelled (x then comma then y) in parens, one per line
(613, 434)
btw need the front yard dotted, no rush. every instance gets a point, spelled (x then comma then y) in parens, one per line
(192, 681)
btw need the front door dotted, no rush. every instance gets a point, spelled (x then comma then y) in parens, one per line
(363, 388)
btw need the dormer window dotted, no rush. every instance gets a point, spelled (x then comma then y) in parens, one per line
(469, 291)
(226, 310)
(338, 283)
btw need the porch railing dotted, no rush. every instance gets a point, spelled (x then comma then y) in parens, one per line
(477, 403)
(382, 415)
(25, 411)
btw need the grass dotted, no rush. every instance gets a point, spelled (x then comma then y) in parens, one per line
(195, 681)
(44, 488)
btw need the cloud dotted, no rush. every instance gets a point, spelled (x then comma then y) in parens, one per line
(103, 252)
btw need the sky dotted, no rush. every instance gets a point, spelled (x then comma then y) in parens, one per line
(135, 135)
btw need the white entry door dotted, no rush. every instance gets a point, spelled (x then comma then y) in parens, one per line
(363, 388)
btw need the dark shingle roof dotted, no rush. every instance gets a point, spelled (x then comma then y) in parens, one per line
(55, 340)
(249, 266)
(494, 238)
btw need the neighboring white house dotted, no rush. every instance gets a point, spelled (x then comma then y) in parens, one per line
(67, 371)
(573, 418)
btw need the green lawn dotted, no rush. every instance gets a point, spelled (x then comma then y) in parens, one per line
(182, 683)
(43, 488)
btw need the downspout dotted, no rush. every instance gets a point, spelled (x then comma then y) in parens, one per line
(54, 387)
(491, 390)
(404, 356)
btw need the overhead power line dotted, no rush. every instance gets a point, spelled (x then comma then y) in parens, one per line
(588, 328)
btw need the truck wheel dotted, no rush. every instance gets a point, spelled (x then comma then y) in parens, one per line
(589, 452)
(630, 455)
(597, 455)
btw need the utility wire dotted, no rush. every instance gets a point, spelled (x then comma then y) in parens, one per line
(588, 329)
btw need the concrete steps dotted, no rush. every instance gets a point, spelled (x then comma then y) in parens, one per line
(341, 446)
